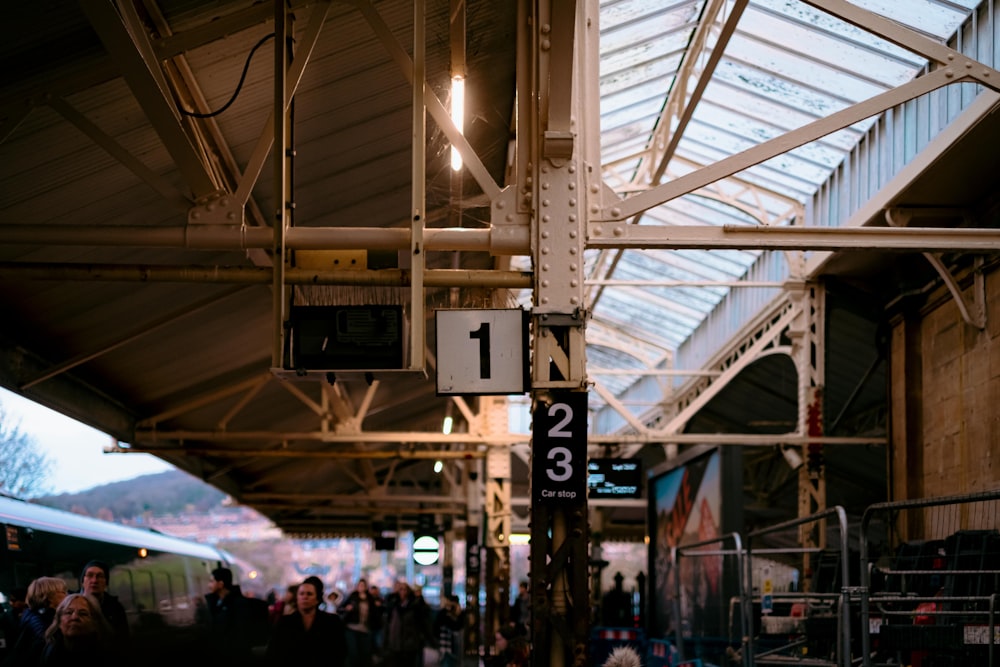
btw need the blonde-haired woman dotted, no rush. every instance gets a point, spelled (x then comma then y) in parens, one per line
(80, 635)
(43, 596)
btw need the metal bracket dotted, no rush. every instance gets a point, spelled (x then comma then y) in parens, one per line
(218, 208)
(974, 316)
(557, 146)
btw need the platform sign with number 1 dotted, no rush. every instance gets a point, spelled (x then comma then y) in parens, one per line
(559, 449)
(482, 351)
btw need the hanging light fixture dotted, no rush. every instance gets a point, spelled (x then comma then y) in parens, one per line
(457, 115)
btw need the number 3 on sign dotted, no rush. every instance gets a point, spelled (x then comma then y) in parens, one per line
(562, 464)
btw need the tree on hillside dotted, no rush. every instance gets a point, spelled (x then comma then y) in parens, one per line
(26, 469)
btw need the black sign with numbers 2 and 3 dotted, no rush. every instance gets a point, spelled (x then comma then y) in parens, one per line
(559, 449)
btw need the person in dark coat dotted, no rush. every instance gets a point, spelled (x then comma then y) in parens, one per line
(362, 612)
(94, 581)
(406, 628)
(229, 623)
(308, 636)
(520, 610)
(43, 596)
(448, 625)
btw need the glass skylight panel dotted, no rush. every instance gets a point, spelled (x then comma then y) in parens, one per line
(752, 195)
(700, 209)
(660, 71)
(823, 22)
(789, 184)
(643, 99)
(747, 78)
(668, 47)
(681, 268)
(687, 211)
(806, 72)
(615, 306)
(836, 50)
(636, 350)
(731, 263)
(668, 336)
(700, 298)
(798, 163)
(607, 356)
(652, 265)
(749, 109)
(759, 130)
(724, 95)
(787, 65)
(667, 15)
(725, 211)
(673, 215)
(927, 16)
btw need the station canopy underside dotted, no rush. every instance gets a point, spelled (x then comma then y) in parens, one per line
(126, 310)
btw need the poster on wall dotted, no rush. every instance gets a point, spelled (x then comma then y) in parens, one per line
(686, 507)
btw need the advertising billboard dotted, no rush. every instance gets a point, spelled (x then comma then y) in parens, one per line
(695, 498)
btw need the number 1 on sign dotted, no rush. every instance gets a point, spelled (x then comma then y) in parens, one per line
(483, 334)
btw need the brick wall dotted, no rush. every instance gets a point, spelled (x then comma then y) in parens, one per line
(945, 396)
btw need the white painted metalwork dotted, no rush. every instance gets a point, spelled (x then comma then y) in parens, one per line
(744, 155)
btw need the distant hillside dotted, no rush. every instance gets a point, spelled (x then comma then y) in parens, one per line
(170, 492)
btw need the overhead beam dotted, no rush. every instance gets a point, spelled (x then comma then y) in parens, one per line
(261, 497)
(498, 440)
(338, 510)
(117, 151)
(299, 453)
(259, 275)
(140, 68)
(917, 239)
(441, 116)
(509, 240)
(167, 318)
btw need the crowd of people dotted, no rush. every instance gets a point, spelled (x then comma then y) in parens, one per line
(56, 627)
(49, 625)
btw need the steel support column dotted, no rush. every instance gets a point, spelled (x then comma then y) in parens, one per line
(473, 557)
(558, 36)
(493, 411)
(808, 335)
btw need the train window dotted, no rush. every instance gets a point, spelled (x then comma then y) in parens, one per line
(121, 585)
(25, 573)
(162, 588)
(145, 598)
(68, 572)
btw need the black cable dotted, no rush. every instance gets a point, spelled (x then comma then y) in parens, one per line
(239, 86)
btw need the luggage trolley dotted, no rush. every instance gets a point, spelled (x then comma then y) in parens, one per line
(716, 647)
(810, 627)
(930, 581)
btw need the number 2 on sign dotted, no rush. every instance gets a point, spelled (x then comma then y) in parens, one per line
(558, 429)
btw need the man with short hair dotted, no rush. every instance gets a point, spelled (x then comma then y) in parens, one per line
(94, 581)
(229, 619)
